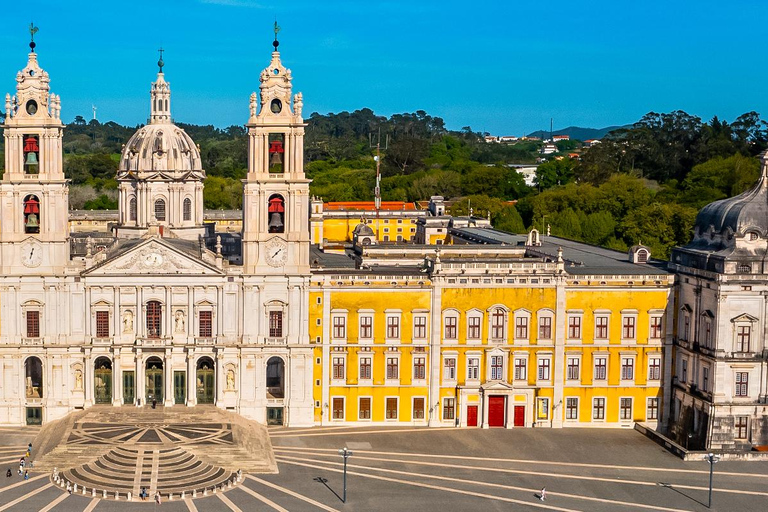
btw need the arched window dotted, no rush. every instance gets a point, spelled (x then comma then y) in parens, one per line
(154, 319)
(275, 378)
(187, 209)
(160, 209)
(31, 214)
(276, 211)
(132, 209)
(33, 382)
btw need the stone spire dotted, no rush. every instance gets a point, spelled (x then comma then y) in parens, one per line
(161, 96)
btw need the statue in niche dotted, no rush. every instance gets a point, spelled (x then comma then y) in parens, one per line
(179, 322)
(78, 379)
(230, 379)
(128, 321)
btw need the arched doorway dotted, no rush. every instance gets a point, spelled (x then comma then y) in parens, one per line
(154, 379)
(33, 373)
(206, 381)
(102, 381)
(275, 378)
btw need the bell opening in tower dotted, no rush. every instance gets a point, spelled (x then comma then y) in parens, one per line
(31, 154)
(31, 214)
(276, 210)
(276, 152)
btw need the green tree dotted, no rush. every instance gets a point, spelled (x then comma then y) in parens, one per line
(555, 172)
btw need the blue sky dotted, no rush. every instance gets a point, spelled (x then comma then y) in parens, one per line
(499, 66)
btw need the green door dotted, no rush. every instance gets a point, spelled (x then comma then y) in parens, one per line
(154, 386)
(102, 381)
(205, 385)
(179, 387)
(34, 415)
(129, 387)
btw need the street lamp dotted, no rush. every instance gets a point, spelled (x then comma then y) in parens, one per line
(712, 459)
(346, 454)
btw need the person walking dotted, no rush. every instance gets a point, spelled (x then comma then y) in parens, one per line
(543, 494)
(8, 473)
(26, 475)
(157, 498)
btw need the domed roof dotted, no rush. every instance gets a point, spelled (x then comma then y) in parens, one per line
(737, 215)
(160, 147)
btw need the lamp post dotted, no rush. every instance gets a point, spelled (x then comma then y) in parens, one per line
(712, 459)
(346, 454)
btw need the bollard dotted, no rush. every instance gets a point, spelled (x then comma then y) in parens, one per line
(215, 489)
(183, 494)
(130, 495)
(205, 492)
(75, 489)
(93, 492)
(104, 494)
(83, 490)
(194, 493)
(229, 484)
(170, 497)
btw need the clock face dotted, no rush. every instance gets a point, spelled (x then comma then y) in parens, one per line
(277, 252)
(31, 254)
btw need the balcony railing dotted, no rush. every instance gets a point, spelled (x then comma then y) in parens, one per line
(152, 341)
(276, 341)
(206, 340)
(31, 341)
(95, 340)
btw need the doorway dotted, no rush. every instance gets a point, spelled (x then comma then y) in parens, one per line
(496, 407)
(102, 381)
(129, 380)
(275, 378)
(179, 387)
(471, 415)
(205, 381)
(519, 416)
(154, 380)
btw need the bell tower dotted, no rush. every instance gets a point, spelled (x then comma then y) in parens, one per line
(34, 194)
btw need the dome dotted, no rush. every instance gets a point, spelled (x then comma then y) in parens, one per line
(160, 147)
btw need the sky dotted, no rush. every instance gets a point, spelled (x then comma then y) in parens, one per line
(505, 67)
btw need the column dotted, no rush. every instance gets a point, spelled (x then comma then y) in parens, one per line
(558, 365)
(117, 380)
(218, 378)
(326, 340)
(191, 380)
(434, 352)
(138, 383)
(168, 377)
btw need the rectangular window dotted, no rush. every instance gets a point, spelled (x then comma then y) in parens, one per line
(628, 328)
(338, 367)
(572, 370)
(686, 327)
(627, 368)
(420, 327)
(656, 327)
(338, 408)
(497, 367)
(571, 408)
(205, 328)
(391, 408)
(625, 408)
(450, 327)
(598, 408)
(449, 408)
(473, 327)
(418, 408)
(684, 373)
(473, 368)
(520, 368)
(545, 328)
(544, 369)
(742, 384)
(654, 368)
(740, 427)
(449, 368)
(393, 368)
(275, 324)
(601, 327)
(542, 408)
(653, 409)
(33, 324)
(339, 327)
(707, 332)
(705, 378)
(393, 327)
(743, 335)
(601, 368)
(574, 327)
(521, 328)
(365, 409)
(366, 327)
(497, 324)
(419, 368)
(365, 368)
(102, 324)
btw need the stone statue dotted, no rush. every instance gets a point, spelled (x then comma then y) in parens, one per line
(253, 104)
(230, 380)
(298, 103)
(128, 322)
(179, 322)
(78, 379)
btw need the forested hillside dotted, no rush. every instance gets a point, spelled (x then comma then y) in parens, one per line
(643, 184)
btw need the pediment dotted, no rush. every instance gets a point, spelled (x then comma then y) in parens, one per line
(153, 257)
(744, 318)
(497, 386)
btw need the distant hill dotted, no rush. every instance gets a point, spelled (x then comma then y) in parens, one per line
(578, 133)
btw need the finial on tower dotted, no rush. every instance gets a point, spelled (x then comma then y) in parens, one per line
(160, 62)
(32, 31)
(276, 43)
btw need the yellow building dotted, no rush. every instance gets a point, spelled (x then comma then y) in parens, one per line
(501, 331)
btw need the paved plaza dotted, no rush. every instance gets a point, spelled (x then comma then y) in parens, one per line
(397, 468)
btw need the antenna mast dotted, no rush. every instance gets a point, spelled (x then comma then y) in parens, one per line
(94, 111)
(377, 187)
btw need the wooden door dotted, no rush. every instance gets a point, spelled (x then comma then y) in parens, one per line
(519, 415)
(471, 415)
(496, 406)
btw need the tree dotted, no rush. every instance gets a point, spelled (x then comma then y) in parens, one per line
(504, 216)
(554, 172)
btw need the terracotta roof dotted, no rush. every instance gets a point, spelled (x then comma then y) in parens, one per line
(369, 205)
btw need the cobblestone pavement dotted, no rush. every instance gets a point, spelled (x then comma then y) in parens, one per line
(396, 469)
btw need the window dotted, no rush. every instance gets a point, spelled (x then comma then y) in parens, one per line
(598, 408)
(33, 324)
(418, 408)
(521, 328)
(743, 335)
(187, 209)
(393, 371)
(132, 209)
(625, 408)
(571, 408)
(742, 384)
(741, 427)
(544, 367)
(338, 368)
(628, 328)
(420, 327)
(419, 368)
(653, 409)
(31, 214)
(154, 319)
(684, 373)
(473, 368)
(497, 324)
(206, 324)
(542, 408)
(365, 368)
(393, 327)
(450, 327)
(366, 327)
(338, 408)
(275, 324)
(520, 368)
(449, 408)
(707, 338)
(364, 412)
(473, 327)
(686, 326)
(497, 367)
(705, 378)
(449, 368)
(601, 368)
(339, 327)
(654, 368)
(656, 327)
(160, 209)
(601, 327)
(572, 370)
(391, 408)
(545, 328)
(574, 327)
(102, 324)
(627, 368)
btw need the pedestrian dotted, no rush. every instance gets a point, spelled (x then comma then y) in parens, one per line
(21, 469)
(8, 473)
(543, 494)
(22, 462)
(143, 494)
(157, 498)
(69, 488)
(26, 475)
(29, 449)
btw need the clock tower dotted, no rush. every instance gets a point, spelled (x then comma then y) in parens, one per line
(34, 194)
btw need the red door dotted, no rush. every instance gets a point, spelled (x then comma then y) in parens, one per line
(496, 411)
(519, 415)
(471, 415)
